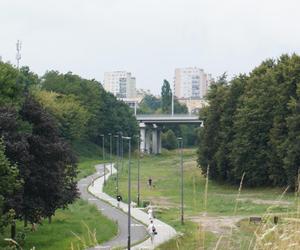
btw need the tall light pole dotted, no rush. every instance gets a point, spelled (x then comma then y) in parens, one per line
(180, 145)
(117, 165)
(138, 186)
(129, 189)
(103, 158)
(110, 150)
(172, 100)
(122, 151)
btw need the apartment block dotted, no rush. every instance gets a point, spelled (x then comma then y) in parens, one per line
(191, 82)
(120, 83)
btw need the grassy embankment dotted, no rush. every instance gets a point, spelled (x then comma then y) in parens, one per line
(74, 222)
(221, 201)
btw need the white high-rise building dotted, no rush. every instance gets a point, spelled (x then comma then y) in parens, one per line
(120, 83)
(191, 82)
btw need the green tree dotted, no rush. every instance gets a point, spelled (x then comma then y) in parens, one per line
(169, 140)
(209, 135)
(72, 117)
(292, 142)
(9, 183)
(166, 97)
(52, 182)
(14, 83)
(149, 105)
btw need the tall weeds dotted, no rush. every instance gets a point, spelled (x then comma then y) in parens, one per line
(282, 235)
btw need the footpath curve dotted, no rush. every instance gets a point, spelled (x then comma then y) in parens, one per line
(94, 188)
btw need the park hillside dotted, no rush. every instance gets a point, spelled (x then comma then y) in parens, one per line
(243, 162)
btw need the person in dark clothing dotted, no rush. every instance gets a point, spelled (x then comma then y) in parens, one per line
(150, 182)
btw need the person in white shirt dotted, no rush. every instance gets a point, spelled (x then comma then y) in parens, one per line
(150, 213)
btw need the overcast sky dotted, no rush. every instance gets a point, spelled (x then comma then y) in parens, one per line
(149, 38)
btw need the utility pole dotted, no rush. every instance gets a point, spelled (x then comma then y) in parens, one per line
(117, 165)
(103, 158)
(180, 145)
(172, 100)
(129, 191)
(122, 151)
(110, 150)
(139, 156)
(18, 55)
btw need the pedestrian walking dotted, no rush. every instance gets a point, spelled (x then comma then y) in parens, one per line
(150, 213)
(119, 199)
(150, 182)
(152, 231)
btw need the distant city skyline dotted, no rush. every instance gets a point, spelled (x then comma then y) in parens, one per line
(149, 38)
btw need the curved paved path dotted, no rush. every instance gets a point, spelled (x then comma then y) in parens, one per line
(138, 230)
(108, 207)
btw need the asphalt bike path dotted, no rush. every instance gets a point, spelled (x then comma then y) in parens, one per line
(91, 188)
(138, 230)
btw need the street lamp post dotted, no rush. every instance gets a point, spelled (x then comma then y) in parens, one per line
(122, 151)
(139, 155)
(129, 189)
(103, 158)
(117, 165)
(180, 144)
(110, 151)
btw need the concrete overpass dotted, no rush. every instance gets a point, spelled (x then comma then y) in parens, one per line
(151, 125)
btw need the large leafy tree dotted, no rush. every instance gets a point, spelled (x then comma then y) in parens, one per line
(149, 105)
(169, 140)
(210, 133)
(292, 143)
(72, 117)
(46, 163)
(166, 97)
(14, 83)
(87, 92)
(9, 184)
(52, 181)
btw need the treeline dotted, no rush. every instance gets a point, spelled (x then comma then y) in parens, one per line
(252, 126)
(40, 119)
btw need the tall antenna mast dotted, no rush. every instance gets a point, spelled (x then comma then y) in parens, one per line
(18, 55)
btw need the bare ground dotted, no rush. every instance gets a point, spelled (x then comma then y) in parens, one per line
(217, 224)
(266, 202)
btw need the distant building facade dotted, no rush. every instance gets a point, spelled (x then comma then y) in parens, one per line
(191, 82)
(194, 105)
(120, 83)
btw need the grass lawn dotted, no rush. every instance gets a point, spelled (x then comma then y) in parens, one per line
(221, 199)
(78, 219)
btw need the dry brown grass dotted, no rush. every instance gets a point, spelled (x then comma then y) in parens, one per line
(285, 234)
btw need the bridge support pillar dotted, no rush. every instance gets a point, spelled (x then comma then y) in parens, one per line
(148, 141)
(154, 140)
(143, 137)
(159, 142)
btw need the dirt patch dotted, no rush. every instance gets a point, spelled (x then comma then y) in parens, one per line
(265, 202)
(162, 202)
(217, 224)
(190, 164)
